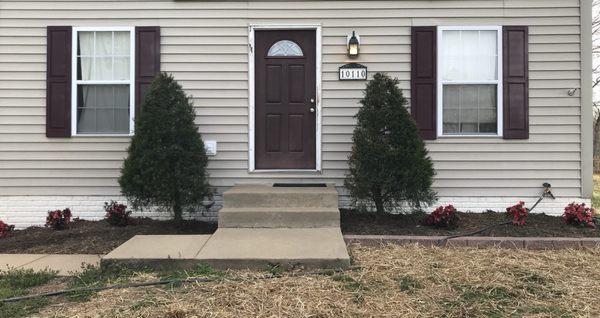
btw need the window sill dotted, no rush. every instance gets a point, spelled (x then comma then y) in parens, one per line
(302, 171)
(470, 136)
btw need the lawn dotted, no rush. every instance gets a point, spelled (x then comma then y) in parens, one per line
(386, 281)
(21, 282)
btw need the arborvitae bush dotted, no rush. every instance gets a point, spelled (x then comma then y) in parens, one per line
(166, 163)
(389, 164)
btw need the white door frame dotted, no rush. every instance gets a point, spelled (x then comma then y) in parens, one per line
(252, 87)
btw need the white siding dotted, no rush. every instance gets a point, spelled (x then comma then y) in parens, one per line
(204, 44)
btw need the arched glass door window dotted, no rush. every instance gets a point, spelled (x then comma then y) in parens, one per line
(285, 48)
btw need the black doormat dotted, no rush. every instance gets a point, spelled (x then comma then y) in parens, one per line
(299, 185)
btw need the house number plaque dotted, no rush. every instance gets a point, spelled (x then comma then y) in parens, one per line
(353, 72)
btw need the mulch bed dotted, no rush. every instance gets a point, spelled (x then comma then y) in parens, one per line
(92, 237)
(538, 225)
(98, 237)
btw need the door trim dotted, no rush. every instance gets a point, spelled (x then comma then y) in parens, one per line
(252, 87)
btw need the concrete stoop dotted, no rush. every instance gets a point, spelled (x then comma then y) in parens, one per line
(291, 217)
(266, 206)
(259, 226)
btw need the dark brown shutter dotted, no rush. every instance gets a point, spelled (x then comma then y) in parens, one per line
(147, 61)
(58, 81)
(423, 87)
(516, 82)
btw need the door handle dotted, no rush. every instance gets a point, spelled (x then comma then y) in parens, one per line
(312, 109)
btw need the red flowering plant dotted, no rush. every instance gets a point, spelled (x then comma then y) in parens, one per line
(5, 229)
(443, 216)
(518, 212)
(58, 220)
(116, 213)
(579, 215)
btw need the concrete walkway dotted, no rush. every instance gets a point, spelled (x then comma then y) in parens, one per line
(65, 264)
(235, 248)
(260, 226)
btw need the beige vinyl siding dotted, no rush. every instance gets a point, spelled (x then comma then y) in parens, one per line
(205, 45)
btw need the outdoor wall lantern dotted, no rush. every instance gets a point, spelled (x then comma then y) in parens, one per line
(353, 44)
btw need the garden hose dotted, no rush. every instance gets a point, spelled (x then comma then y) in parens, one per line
(547, 193)
(327, 272)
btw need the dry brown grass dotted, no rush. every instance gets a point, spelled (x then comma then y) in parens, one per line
(394, 281)
(596, 195)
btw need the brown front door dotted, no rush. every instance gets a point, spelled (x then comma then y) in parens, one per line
(285, 118)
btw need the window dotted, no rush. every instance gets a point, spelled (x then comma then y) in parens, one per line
(470, 81)
(285, 48)
(103, 87)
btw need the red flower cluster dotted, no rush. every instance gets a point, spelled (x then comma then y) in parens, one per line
(579, 214)
(58, 220)
(5, 229)
(518, 212)
(443, 217)
(116, 213)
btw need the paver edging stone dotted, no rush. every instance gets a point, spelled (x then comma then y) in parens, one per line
(532, 243)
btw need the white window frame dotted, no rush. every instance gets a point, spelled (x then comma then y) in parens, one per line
(75, 81)
(441, 82)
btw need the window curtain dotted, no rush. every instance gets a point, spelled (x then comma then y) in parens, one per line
(103, 56)
(85, 50)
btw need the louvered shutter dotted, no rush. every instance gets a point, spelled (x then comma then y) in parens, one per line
(147, 61)
(515, 82)
(424, 80)
(58, 81)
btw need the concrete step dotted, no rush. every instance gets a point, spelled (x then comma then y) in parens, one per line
(268, 196)
(279, 217)
(288, 248)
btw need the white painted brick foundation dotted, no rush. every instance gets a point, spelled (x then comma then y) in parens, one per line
(24, 211)
(498, 204)
(483, 204)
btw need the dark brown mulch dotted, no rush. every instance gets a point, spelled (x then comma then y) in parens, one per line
(98, 237)
(411, 224)
(92, 237)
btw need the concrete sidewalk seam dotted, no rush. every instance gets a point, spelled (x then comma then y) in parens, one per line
(35, 260)
(202, 247)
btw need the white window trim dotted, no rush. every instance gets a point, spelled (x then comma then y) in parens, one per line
(440, 82)
(75, 81)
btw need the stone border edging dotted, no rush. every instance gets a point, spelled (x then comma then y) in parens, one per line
(532, 243)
